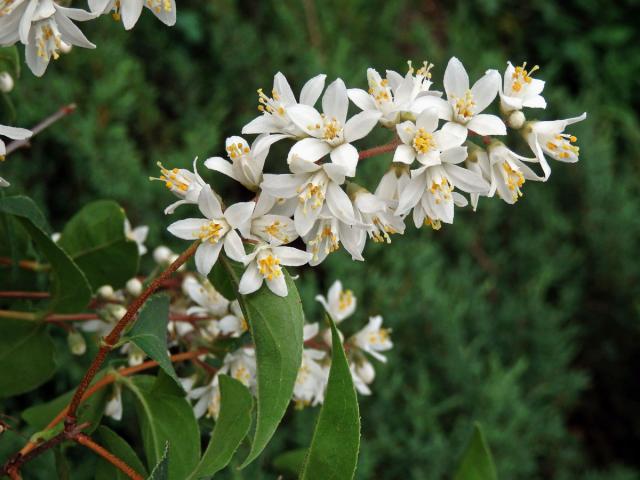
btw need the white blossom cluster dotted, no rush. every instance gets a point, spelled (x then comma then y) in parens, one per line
(201, 316)
(444, 146)
(47, 28)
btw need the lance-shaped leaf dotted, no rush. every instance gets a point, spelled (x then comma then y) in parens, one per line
(276, 327)
(121, 449)
(231, 427)
(165, 418)
(71, 292)
(477, 462)
(26, 356)
(149, 332)
(95, 239)
(333, 453)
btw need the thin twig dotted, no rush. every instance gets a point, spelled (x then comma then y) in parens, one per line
(25, 264)
(19, 294)
(84, 439)
(372, 152)
(46, 123)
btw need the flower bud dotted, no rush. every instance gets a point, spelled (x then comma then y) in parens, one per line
(6, 82)
(516, 119)
(105, 292)
(76, 343)
(113, 312)
(326, 336)
(162, 255)
(134, 287)
(366, 372)
(136, 356)
(65, 47)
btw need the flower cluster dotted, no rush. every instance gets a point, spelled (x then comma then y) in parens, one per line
(444, 146)
(46, 28)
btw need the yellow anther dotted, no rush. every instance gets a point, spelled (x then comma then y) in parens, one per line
(269, 267)
(521, 76)
(345, 300)
(423, 142)
(464, 106)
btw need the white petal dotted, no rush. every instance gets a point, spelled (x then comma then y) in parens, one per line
(221, 165)
(312, 90)
(239, 213)
(283, 185)
(309, 149)
(485, 90)
(166, 17)
(282, 87)
(209, 204)
(130, 12)
(335, 101)
(187, 229)
(26, 33)
(429, 101)
(361, 99)
(485, 124)
(410, 196)
(70, 33)
(306, 118)
(261, 124)
(456, 79)
(292, 256)
(451, 135)
(206, 256)
(466, 180)
(304, 220)
(15, 133)
(233, 246)
(278, 285)
(360, 125)
(346, 156)
(428, 120)
(404, 154)
(406, 131)
(251, 280)
(339, 204)
(454, 155)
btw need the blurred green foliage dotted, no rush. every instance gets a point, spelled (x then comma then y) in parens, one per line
(524, 318)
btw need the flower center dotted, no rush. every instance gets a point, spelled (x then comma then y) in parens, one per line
(159, 6)
(237, 150)
(513, 178)
(380, 231)
(521, 77)
(269, 267)
(326, 237)
(441, 191)
(48, 40)
(271, 104)
(379, 337)
(380, 91)
(312, 193)
(423, 142)
(6, 7)
(242, 374)
(174, 180)
(345, 300)
(562, 146)
(211, 232)
(435, 224)
(464, 106)
(332, 130)
(274, 230)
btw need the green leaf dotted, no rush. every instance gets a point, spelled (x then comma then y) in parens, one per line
(90, 411)
(231, 427)
(149, 332)
(161, 470)
(95, 239)
(333, 453)
(121, 449)
(163, 419)
(71, 292)
(290, 463)
(26, 356)
(276, 327)
(477, 462)
(10, 61)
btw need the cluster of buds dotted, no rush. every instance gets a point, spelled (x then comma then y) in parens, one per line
(444, 146)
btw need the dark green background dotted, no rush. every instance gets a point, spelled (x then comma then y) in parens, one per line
(524, 318)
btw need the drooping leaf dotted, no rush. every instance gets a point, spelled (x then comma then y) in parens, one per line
(333, 453)
(276, 327)
(70, 292)
(95, 239)
(161, 470)
(231, 427)
(149, 332)
(165, 419)
(26, 356)
(290, 463)
(477, 461)
(121, 449)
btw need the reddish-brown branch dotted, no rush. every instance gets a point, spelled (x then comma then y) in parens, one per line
(110, 340)
(85, 440)
(25, 264)
(372, 152)
(18, 294)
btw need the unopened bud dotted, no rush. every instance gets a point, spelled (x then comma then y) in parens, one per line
(366, 372)
(113, 312)
(162, 255)
(6, 82)
(65, 47)
(76, 343)
(516, 119)
(105, 292)
(134, 287)
(136, 356)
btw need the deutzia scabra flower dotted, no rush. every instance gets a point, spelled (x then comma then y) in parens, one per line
(233, 324)
(464, 105)
(264, 265)
(374, 339)
(44, 27)
(273, 229)
(312, 376)
(130, 10)
(138, 235)
(113, 408)
(393, 183)
(393, 95)
(338, 303)
(246, 162)
(520, 90)
(549, 137)
(10, 132)
(208, 300)
(330, 132)
(207, 397)
(241, 365)
(275, 109)
(328, 233)
(216, 229)
(182, 183)
(378, 218)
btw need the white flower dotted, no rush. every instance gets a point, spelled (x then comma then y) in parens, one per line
(358, 382)
(330, 132)
(208, 398)
(138, 235)
(246, 162)
(326, 235)
(113, 408)
(393, 183)
(209, 301)
(421, 140)
(313, 184)
(135, 356)
(264, 264)
(549, 137)
(504, 170)
(214, 230)
(233, 324)
(430, 190)
(394, 94)
(520, 89)
(373, 339)
(339, 303)
(130, 10)
(44, 27)
(464, 104)
(182, 183)
(312, 376)
(378, 219)
(275, 109)
(241, 365)
(273, 229)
